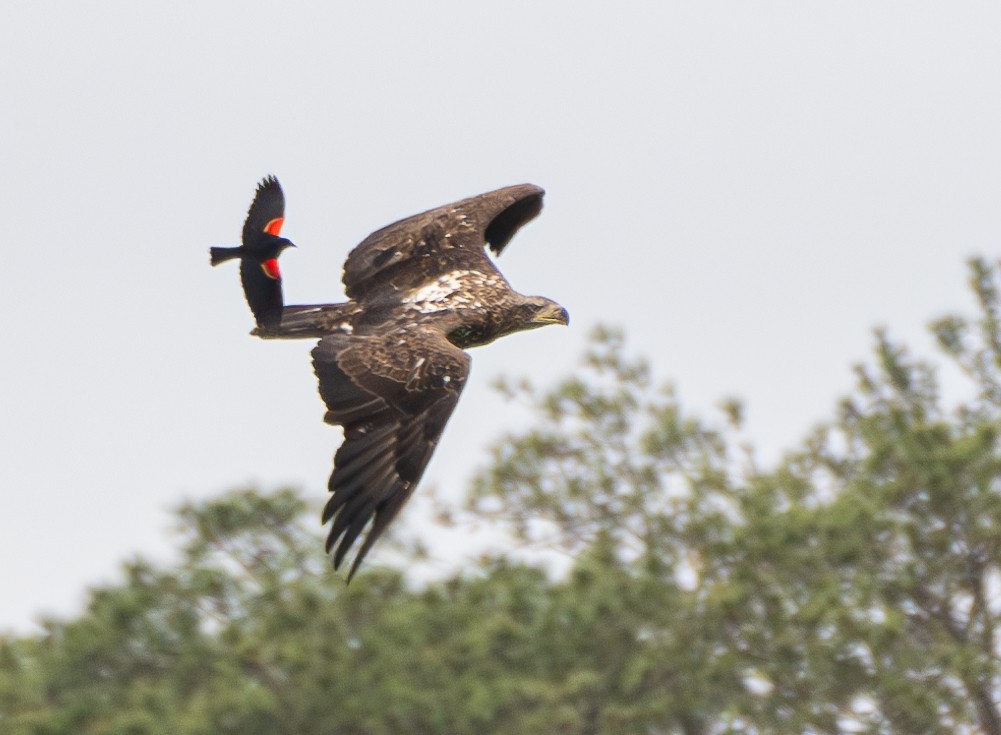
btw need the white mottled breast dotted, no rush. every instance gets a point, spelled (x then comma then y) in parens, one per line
(451, 290)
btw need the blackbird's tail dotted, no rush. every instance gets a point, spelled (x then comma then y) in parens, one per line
(220, 255)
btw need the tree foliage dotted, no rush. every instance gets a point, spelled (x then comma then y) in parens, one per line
(853, 587)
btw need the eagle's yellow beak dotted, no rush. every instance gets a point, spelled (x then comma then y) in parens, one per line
(553, 314)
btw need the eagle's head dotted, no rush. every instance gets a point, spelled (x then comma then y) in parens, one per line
(538, 311)
(527, 312)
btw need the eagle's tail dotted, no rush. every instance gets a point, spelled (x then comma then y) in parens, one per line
(305, 322)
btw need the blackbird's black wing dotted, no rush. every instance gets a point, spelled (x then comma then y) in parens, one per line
(393, 394)
(263, 293)
(267, 211)
(419, 249)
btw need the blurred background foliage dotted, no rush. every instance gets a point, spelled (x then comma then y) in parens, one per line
(852, 587)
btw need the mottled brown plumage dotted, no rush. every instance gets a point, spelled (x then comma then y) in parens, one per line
(390, 361)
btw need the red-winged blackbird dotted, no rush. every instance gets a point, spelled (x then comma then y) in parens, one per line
(262, 279)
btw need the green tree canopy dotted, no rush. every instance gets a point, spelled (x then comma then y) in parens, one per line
(853, 587)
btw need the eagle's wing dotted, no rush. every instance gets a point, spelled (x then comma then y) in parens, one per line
(263, 292)
(415, 250)
(267, 211)
(393, 394)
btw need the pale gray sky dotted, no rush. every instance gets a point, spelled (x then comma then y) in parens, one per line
(749, 187)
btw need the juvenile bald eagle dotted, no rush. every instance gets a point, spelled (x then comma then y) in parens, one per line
(391, 361)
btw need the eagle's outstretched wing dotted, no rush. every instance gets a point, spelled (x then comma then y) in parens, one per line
(393, 394)
(418, 249)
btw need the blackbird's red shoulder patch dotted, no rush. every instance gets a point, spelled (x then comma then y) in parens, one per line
(274, 227)
(270, 268)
